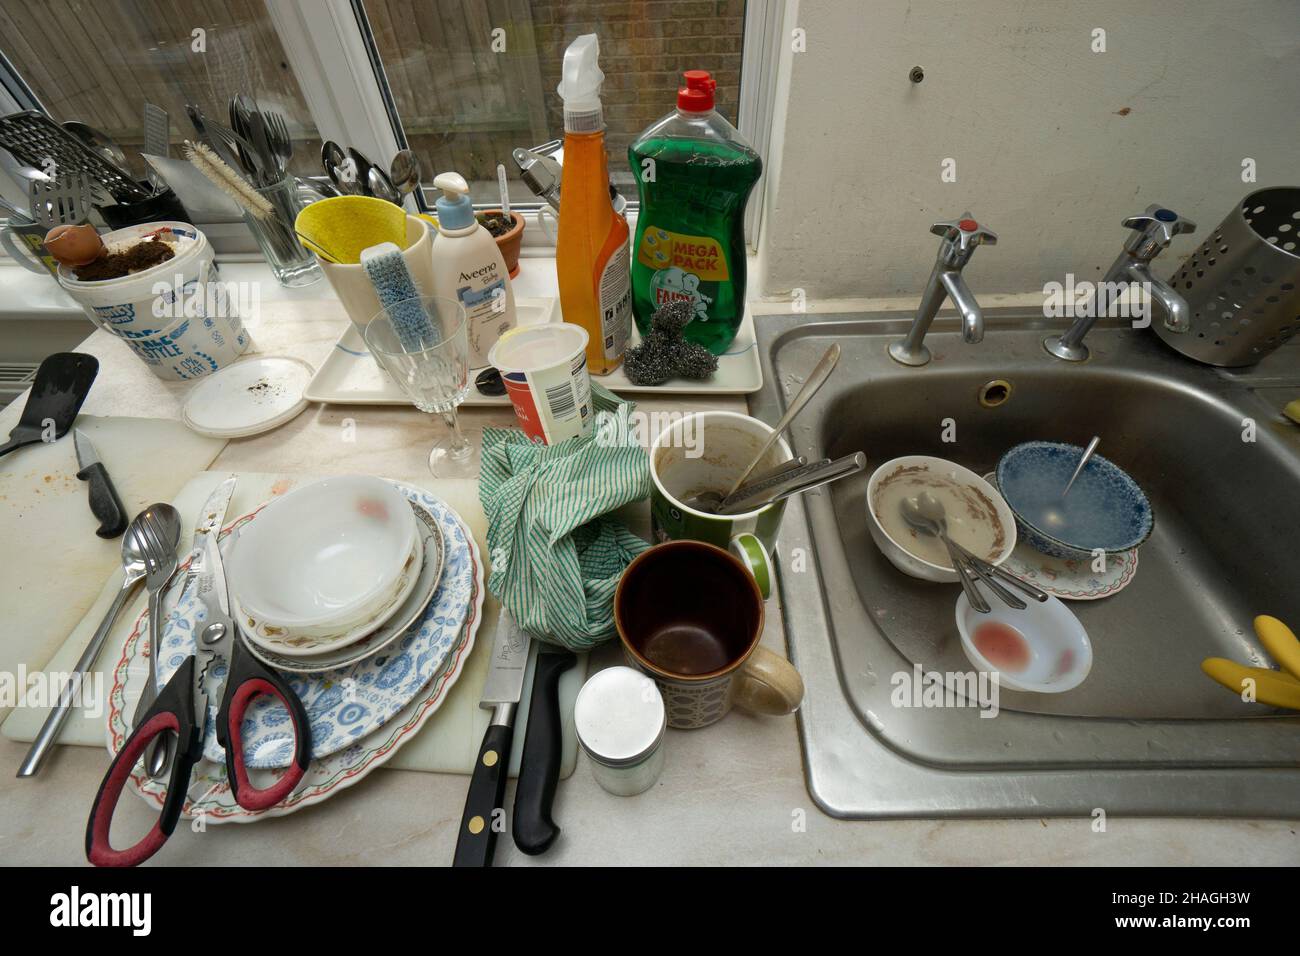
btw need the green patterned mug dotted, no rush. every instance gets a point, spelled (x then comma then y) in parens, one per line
(706, 451)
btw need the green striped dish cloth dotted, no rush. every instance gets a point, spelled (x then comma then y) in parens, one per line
(556, 553)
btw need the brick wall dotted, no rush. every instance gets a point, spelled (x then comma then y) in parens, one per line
(463, 109)
(644, 47)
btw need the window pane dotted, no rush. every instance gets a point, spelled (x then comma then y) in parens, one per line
(465, 106)
(100, 61)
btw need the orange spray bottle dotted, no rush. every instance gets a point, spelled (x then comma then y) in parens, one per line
(591, 248)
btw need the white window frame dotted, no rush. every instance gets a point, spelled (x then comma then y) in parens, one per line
(327, 51)
(348, 104)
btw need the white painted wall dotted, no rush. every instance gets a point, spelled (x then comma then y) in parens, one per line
(1014, 94)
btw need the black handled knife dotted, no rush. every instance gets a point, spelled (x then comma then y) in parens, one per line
(104, 502)
(531, 823)
(484, 814)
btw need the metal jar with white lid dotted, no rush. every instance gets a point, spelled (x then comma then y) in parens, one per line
(620, 719)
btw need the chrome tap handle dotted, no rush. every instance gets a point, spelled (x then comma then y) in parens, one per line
(961, 237)
(1155, 229)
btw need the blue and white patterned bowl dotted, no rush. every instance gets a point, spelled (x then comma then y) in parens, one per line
(1106, 509)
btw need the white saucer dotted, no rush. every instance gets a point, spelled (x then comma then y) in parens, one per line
(248, 398)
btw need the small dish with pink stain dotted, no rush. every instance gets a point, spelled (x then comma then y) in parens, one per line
(1042, 649)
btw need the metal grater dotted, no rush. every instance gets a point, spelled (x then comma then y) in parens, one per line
(157, 136)
(1243, 284)
(37, 140)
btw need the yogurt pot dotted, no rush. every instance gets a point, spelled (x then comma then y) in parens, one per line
(544, 368)
(132, 304)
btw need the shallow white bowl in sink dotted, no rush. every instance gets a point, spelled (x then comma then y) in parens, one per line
(325, 557)
(1047, 653)
(984, 524)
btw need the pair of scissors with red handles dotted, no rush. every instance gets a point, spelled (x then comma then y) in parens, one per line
(182, 708)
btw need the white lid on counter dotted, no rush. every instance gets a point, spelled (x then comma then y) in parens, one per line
(619, 715)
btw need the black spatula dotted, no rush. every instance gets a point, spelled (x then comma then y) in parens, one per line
(61, 385)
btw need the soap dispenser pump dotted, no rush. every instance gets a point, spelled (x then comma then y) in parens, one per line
(468, 267)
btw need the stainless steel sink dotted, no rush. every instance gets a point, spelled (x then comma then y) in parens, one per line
(1147, 732)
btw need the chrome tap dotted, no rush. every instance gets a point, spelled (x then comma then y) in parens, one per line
(1155, 229)
(960, 239)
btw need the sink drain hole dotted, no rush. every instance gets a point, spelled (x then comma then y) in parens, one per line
(995, 393)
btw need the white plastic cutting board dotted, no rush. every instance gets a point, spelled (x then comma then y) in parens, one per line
(448, 743)
(52, 565)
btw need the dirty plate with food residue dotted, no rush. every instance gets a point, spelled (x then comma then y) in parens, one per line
(977, 517)
(322, 562)
(248, 398)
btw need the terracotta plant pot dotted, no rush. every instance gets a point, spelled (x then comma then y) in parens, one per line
(509, 243)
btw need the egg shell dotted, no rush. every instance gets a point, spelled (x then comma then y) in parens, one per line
(74, 245)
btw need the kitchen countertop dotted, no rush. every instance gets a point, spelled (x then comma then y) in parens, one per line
(732, 793)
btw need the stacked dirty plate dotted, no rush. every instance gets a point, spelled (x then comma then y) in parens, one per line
(366, 594)
(332, 573)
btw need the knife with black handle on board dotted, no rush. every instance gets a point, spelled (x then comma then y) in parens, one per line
(104, 502)
(484, 814)
(531, 823)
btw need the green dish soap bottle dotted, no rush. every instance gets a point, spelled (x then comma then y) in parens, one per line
(694, 174)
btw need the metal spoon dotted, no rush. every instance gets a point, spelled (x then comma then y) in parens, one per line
(1087, 455)
(710, 501)
(913, 514)
(822, 473)
(333, 159)
(405, 173)
(932, 509)
(133, 570)
(362, 165)
(158, 533)
(381, 187)
(815, 381)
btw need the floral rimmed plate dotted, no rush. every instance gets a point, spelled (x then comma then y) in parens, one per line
(1070, 579)
(346, 704)
(209, 792)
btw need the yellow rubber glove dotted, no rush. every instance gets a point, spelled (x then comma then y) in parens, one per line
(1270, 687)
(1280, 643)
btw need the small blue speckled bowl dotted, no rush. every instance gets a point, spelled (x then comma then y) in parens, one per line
(1106, 510)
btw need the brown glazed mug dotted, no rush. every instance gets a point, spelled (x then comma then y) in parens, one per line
(690, 616)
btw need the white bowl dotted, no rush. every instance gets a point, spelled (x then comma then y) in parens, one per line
(325, 557)
(312, 641)
(988, 497)
(1060, 654)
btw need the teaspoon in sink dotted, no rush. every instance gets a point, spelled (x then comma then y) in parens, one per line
(926, 513)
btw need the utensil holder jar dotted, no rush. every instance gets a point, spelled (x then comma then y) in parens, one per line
(1242, 285)
(292, 264)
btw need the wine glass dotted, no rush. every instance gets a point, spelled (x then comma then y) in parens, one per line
(423, 343)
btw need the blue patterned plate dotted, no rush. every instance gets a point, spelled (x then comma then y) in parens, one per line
(347, 704)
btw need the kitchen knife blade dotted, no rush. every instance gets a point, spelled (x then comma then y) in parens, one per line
(212, 516)
(484, 814)
(531, 823)
(104, 502)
